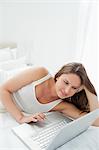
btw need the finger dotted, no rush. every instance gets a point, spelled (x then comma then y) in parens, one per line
(32, 118)
(38, 118)
(42, 115)
(80, 88)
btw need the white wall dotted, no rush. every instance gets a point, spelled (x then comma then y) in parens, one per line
(54, 32)
(98, 45)
(1, 22)
(51, 28)
(90, 45)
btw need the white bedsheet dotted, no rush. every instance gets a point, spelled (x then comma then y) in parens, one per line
(88, 140)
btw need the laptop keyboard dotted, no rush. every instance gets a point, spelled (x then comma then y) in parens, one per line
(45, 136)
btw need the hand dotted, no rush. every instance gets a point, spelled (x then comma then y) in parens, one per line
(81, 88)
(85, 88)
(33, 118)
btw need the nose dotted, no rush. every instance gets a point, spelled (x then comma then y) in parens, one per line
(67, 90)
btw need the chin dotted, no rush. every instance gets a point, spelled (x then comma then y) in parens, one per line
(60, 96)
(63, 97)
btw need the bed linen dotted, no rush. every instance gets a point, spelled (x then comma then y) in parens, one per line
(88, 140)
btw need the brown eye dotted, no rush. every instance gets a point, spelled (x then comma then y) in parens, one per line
(74, 88)
(66, 82)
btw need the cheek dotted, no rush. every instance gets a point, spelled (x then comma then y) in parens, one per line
(59, 85)
(71, 94)
(56, 86)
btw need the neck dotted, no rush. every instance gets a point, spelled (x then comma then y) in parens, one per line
(53, 91)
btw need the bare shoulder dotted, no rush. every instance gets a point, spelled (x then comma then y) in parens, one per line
(36, 73)
(25, 77)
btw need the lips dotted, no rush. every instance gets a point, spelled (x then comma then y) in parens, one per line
(63, 93)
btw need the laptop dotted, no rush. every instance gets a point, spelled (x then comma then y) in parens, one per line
(56, 130)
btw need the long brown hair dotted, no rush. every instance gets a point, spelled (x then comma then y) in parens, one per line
(78, 99)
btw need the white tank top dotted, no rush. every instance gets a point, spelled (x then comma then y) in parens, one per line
(25, 98)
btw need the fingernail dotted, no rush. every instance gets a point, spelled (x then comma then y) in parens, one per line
(35, 120)
(42, 119)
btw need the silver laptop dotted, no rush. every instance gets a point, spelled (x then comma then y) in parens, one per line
(54, 131)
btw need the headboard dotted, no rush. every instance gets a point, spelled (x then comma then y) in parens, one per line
(8, 44)
(21, 49)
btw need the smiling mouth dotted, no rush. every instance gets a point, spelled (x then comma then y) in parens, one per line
(63, 93)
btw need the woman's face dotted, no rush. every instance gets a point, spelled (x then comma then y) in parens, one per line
(67, 85)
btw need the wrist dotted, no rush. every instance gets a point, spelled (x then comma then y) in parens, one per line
(84, 87)
(20, 119)
(82, 113)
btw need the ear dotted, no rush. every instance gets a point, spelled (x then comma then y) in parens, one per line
(57, 78)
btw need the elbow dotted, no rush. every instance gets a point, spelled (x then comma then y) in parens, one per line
(3, 93)
(96, 123)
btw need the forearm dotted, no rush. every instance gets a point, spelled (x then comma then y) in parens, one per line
(92, 100)
(10, 106)
(72, 111)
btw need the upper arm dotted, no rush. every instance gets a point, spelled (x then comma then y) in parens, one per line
(25, 77)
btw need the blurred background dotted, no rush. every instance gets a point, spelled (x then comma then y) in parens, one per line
(52, 33)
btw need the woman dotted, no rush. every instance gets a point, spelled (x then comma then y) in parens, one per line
(35, 90)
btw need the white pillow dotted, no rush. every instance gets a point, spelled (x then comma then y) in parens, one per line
(3, 76)
(13, 63)
(5, 54)
(2, 108)
(14, 53)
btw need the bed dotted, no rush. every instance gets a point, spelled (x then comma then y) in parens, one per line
(89, 140)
